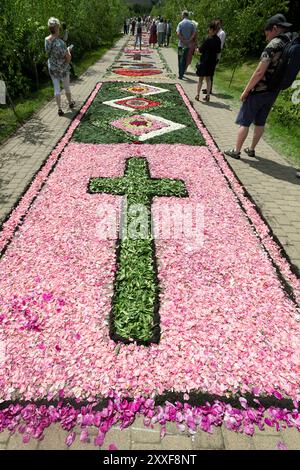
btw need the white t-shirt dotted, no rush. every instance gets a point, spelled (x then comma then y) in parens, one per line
(161, 28)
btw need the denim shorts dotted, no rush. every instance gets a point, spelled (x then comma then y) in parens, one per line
(256, 109)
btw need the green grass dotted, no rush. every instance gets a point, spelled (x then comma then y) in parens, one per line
(26, 106)
(283, 125)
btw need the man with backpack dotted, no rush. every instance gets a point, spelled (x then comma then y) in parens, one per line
(278, 67)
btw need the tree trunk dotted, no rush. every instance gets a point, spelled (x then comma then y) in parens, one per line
(36, 75)
(233, 72)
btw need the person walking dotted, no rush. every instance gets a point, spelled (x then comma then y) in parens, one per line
(258, 97)
(209, 52)
(169, 33)
(185, 31)
(139, 29)
(153, 34)
(59, 57)
(160, 32)
(133, 23)
(222, 35)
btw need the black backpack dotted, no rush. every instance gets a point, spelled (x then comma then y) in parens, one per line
(288, 66)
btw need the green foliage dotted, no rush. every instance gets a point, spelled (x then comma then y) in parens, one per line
(23, 27)
(243, 21)
(285, 112)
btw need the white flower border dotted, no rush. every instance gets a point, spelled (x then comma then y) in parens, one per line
(156, 90)
(172, 126)
(113, 103)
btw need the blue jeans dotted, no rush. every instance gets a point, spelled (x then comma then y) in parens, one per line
(182, 57)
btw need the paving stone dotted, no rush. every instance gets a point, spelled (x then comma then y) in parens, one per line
(177, 443)
(291, 437)
(262, 442)
(204, 440)
(4, 436)
(268, 431)
(78, 445)
(236, 441)
(55, 438)
(16, 443)
(171, 428)
(145, 436)
(120, 438)
(141, 446)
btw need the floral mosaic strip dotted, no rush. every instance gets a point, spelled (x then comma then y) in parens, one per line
(106, 121)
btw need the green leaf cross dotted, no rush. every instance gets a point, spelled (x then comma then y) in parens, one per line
(135, 304)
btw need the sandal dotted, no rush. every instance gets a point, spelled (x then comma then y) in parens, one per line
(233, 154)
(72, 104)
(206, 98)
(197, 98)
(250, 152)
(60, 112)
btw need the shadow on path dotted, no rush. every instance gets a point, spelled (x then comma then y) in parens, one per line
(213, 104)
(34, 131)
(274, 169)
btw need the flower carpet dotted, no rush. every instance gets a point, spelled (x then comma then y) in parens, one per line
(196, 327)
(134, 62)
(111, 118)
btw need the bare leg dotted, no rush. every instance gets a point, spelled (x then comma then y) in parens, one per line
(69, 97)
(58, 101)
(241, 137)
(199, 86)
(258, 132)
(208, 86)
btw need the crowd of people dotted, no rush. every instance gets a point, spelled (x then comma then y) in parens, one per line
(159, 29)
(258, 96)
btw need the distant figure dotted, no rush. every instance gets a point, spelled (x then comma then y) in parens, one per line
(185, 31)
(139, 30)
(125, 26)
(160, 32)
(169, 33)
(133, 23)
(153, 34)
(128, 25)
(209, 53)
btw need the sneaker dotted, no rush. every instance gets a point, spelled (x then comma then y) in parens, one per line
(233, 154)
(60, 112)
(249, 152)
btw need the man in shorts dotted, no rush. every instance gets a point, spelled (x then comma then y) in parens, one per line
(257, 99)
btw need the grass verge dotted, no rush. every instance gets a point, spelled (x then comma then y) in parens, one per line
(26, 106)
